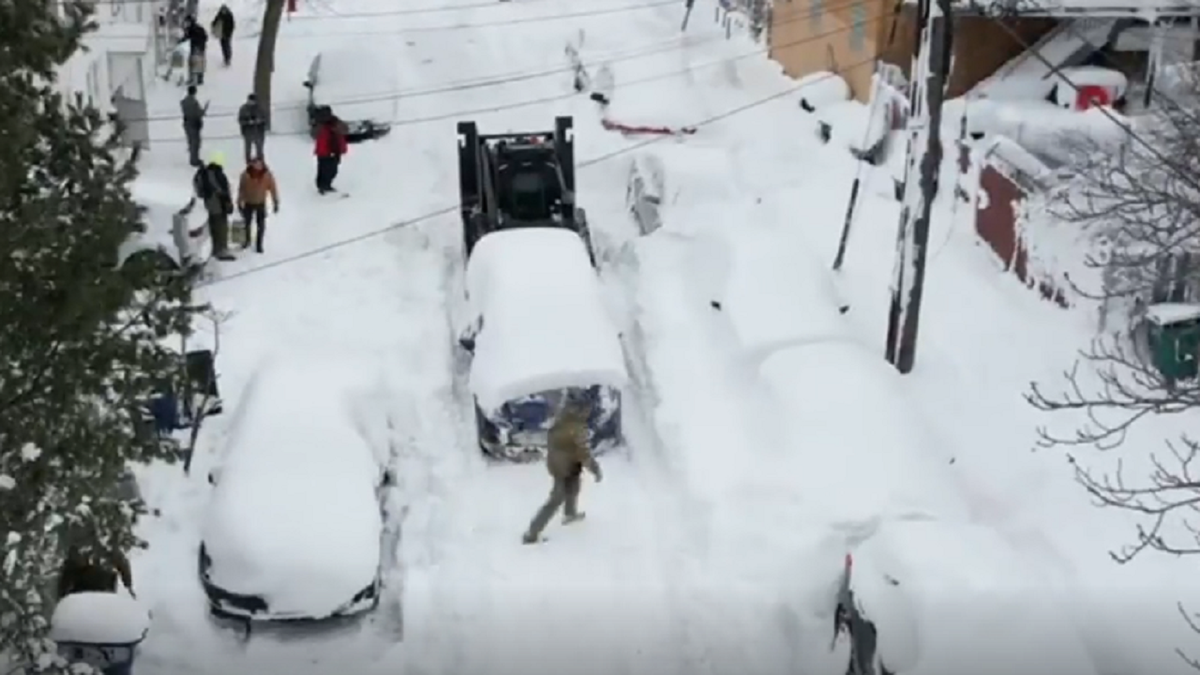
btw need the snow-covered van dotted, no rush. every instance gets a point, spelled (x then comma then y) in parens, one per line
(538, 330)
(293, 527)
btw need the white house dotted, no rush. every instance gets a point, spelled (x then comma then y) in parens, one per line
(120, 60)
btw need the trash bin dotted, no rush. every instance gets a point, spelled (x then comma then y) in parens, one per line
(100, 629)
(1173, 338)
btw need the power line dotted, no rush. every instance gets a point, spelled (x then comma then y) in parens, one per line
(434, 10)
(537, 101)
(590, 162)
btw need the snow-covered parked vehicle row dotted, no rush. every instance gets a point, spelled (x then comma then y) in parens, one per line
(294, 524)
(538, 330)
(925, 586)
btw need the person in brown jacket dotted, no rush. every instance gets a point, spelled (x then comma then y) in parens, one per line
(567, 455)
(95, 573)
(256, 183)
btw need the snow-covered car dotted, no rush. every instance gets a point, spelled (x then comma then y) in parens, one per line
(538, 330)
(176, 233)
(929, 595)
(361, 87)
(293, 527)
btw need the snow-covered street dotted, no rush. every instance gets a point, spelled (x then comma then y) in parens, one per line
(765, 436)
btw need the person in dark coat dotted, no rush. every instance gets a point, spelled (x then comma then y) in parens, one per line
(330, 146)
(193, 123)
(197, 39)
(253, 124)
(568, 454)
(212, 187)
(222, 28)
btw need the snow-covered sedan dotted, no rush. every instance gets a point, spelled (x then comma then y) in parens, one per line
(175, 234)
(538, 330)
(359, 84)
(294, 524)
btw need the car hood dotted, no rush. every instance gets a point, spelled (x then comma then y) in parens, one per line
(304, 544)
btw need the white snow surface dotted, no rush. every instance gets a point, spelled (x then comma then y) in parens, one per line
(294, 516)
(99, 619)
(749, 275)
(731, 511)
(545, 322)
(890, 467)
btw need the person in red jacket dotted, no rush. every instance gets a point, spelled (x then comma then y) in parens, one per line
(331, 145)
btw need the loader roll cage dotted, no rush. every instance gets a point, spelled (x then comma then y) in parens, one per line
(521, 179)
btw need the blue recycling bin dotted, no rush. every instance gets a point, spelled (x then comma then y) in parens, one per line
(100, 629)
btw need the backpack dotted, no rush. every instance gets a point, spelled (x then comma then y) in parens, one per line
(210, 189)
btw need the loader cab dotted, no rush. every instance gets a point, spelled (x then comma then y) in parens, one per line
(529, 188)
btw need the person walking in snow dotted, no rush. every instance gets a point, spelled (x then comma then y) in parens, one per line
(255, 184)
(252, 121)
(222, 28)
(197, 39)
(193, 124)
(567, 455)
(212, 187)
(330, 146)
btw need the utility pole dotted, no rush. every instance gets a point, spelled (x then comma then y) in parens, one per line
(927, 90)
(264, 67)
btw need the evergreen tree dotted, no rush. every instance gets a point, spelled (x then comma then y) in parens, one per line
(82, 343)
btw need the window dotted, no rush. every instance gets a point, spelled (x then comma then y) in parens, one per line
(815, 9)
(858, 29)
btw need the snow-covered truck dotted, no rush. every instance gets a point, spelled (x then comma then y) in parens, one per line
(538, 331)
(293, 528)
(536, 325)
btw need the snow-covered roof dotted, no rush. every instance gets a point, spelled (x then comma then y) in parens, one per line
(1167, 313)
(545, 322)
(294, 517)
(1118, 8)
(99, 619)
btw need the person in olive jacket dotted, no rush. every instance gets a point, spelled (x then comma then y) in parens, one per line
(567, 455)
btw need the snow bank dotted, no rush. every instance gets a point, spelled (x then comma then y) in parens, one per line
(357, 83)
(857, 471)
(820, 89)
(968, 600)
(161, 199)
(1042, 127)
(99, 619)
(771, 296)
(294, 516)
(544, 322)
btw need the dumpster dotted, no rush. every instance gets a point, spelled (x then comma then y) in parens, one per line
(1173, 338)
(100, 629)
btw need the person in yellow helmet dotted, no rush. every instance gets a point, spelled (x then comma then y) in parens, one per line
(212, 188)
